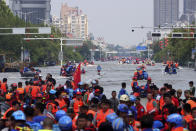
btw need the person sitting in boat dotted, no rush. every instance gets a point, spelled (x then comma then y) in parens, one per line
(134, 84)
(98, 69)
(167, 69)
(26, 69)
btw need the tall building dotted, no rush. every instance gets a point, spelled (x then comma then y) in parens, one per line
(166, 12)
(189, 10)
(34, 11)
(75, 23)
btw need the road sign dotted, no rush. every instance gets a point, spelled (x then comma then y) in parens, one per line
(141, 48)
(60, 56)
(193, 51)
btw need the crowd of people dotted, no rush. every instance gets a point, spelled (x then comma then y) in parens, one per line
(41, 105)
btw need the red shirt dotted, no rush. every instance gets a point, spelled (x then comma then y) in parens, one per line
(175, 100)
(140, 111)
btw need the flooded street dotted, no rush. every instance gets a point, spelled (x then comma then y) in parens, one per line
(113, 74)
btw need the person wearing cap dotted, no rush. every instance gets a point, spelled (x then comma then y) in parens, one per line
(122, 90)
(77, 102)
(97, 94)
(39, 116)
(175, 122)
(140, 109)
(65, 123)
(29, 113)
(122, 112)
(52, 105)
(101, 114)
(18, 120)
(124, 99)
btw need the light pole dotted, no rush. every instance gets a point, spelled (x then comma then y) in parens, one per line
(25, 15)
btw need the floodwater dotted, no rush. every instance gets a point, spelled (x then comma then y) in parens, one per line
(113, 74)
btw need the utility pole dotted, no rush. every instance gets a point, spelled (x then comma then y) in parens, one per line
(195, 40)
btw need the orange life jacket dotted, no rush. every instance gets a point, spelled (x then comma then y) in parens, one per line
(149, 105)
(91, 112)
(35, 90)
(192, 103)
(54, 107)
(101, 116)
(4, 115)
(27, 88)
(178, 129)
(74, 121)
(77, 105)
(135, 125)
(20, 90)
(4, 87)
(161, 103)
(188, 118)
(61, 104)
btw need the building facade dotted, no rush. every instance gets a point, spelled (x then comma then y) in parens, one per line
(189, 10)
(75, 23)
(166, 12)
(33, 11)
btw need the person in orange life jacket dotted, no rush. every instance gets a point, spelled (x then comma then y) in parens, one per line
(161, 100)
(87, 94)
(7, 122)
(77, 102)
(29, 113)
(140, 109)
(135, 124)
(151, 104)
(61, 102)
(83, 110)
(174, 98)
(4, 87)
(146, 123)
(187, 114)
(101, 114)
(20, 91)
(15, 106)
(187, 95)
(39, 116)
(114, 101)
(192, 124)
(134, 84)
(13, 87)
(123, 90)
(52, 105)
(39, 98)
(81, 122)
(168, 108)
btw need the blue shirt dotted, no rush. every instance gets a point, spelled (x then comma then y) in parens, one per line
(39, 119)
(34, 125)
(122, 92)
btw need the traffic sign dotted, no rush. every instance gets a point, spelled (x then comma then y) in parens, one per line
(60, 56)
(141, 48)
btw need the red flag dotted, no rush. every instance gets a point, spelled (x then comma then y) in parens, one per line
(77, 77)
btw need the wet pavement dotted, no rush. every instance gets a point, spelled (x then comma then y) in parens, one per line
(113, 74)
